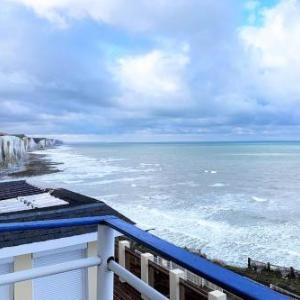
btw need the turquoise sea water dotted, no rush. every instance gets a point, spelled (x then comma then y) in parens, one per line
(232, 200)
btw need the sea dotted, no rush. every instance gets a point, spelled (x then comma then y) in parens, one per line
(229, 200)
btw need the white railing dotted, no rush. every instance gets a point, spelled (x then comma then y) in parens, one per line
(175, 272)
(188, 276)
(107, 267)
(105, 263)
(14, 277)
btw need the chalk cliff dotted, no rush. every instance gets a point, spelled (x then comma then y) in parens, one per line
(29, 144)
(13, 148)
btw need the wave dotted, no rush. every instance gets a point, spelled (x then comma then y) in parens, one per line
(218, 184)
(184, 183)
(210, 171)
(266, 154)
(123, 179)
(183, 209)
(258, 199)
(149, 164)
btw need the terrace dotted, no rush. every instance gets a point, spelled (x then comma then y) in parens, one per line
(60, 245)
(107, 265)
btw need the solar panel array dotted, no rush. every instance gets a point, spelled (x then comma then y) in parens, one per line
(30, 202)
(11, 205)
(42, 200)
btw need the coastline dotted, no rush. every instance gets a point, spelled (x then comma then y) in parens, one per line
(19, 159)
(34, 164)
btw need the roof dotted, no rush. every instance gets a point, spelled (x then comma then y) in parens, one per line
(30, 202)
(19, 188)
(59, 204)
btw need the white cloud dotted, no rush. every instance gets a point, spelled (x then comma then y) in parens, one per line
(136, 15)
(176, 65)
(115, 12)
(273, 52)
(153, 80)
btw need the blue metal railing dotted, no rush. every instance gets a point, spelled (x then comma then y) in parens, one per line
(228, 280)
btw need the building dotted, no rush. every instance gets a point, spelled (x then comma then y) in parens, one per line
(22, 202)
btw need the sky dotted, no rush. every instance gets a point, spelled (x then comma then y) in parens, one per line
(159, 70)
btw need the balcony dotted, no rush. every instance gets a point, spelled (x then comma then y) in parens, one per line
(112, 275)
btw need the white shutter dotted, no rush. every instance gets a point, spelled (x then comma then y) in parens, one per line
(6, 291)
(65, 286)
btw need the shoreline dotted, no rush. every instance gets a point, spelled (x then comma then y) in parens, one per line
(33, 164)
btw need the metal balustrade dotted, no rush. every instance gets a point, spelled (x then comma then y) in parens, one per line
(107, 266)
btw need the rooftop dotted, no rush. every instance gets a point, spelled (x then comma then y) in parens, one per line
(23, 202)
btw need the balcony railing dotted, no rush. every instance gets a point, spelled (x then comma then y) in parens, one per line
(107, 266)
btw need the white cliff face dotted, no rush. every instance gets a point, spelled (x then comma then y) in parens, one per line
(46, 143)
(12, 149)
(42, 144)
(51, 142)
(30, 144)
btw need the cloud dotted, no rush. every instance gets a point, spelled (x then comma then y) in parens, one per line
(137, 15)
(273, 50)
(113, 67)
(155, 80)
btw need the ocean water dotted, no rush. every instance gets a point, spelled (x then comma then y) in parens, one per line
(231, 200)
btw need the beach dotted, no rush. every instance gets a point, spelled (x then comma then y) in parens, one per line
(32, 165)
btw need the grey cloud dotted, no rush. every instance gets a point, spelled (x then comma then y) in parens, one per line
(63, 79)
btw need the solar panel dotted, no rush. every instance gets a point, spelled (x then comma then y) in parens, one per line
(11, 205)
(30, 202)
(43, 200)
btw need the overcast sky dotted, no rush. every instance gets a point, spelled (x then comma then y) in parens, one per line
(151, 70)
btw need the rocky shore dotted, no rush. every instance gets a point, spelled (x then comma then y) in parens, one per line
(17, 159)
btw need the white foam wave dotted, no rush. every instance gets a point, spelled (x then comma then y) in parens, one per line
(72, 181)
(218, 184)
(123, 179)
(192, 223)
(258, 199)
(210, 171)
(149, 164)
(266, 154)
(184, 183)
